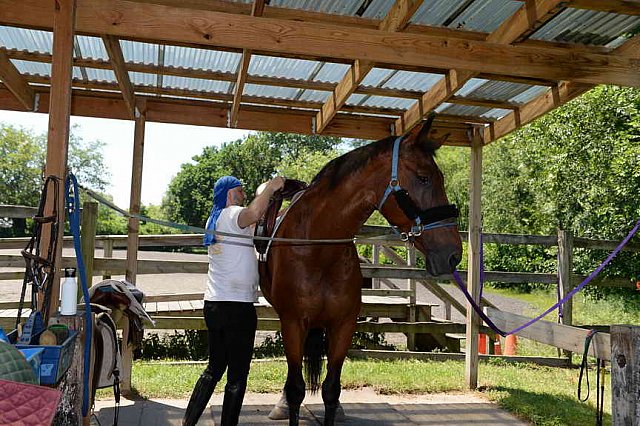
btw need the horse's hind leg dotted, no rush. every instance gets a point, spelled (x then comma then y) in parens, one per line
(293, 337)
(339, 343)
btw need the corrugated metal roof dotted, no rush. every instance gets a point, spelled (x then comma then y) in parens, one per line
(410, 80)
(270, 91)
(91, 48)
(32, 68)
(143, 78)
(204, 59)
(24, 39)
(198, 84)
(436, 12)
(94, 74)
(140, 53)
(587, 27)
(387, 102)
(272, 66)
(485, 15)
(493, 90)
(314, 95)
(377, 8)
(331, 73)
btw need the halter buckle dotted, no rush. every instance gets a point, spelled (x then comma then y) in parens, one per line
(404, 236)
(393, 183)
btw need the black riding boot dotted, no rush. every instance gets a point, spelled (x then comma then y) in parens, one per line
(199, 399)
(233, 396)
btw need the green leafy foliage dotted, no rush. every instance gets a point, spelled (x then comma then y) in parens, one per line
(254, 160)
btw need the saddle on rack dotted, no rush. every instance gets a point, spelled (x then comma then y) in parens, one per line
(267, 223)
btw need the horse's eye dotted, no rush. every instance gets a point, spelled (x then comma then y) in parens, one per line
(425, 180)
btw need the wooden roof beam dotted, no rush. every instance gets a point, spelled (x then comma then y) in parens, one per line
(511, 29)
(112, 44)
(396, 20)
(16, 83)
(256, 10)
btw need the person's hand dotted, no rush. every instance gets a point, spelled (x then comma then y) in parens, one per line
(276, 183)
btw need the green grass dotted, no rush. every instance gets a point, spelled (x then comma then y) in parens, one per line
(527, 391)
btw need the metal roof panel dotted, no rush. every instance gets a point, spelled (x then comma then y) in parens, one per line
(272, 66)
(25, 39)
(140, 53)
(264, 91)
(587, 27)
(204, 59)
(32, 68)
(197, 84)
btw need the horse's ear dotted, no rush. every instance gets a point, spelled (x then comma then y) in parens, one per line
(426, 137)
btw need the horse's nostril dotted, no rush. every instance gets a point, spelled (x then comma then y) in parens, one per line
(454, 259)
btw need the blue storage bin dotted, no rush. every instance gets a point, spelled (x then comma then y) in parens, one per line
(55, 360)
(34, 358)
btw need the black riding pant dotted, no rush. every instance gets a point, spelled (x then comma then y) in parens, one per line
(232, 330)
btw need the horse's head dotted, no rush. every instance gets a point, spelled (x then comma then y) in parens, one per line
(417, 204)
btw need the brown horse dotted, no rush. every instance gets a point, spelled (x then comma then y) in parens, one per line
(315, 288)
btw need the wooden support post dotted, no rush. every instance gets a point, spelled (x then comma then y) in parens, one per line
(88, 239)
(411, 285)
(565, 268)
(58, 135)
(132, 239)
(625, 375)
(107, 252)
(473, 274)
(375, 282)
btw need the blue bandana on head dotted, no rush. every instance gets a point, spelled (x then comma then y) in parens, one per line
(220, 190)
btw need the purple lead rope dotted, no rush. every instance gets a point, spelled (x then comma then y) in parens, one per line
(561, 302)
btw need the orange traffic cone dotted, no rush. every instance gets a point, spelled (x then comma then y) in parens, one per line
(511, 344)
(482, 343)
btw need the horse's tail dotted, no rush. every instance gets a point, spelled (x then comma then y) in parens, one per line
(314, 349)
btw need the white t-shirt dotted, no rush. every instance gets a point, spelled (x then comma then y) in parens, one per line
(233, 266)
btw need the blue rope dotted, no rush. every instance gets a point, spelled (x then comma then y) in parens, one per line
(72, 197)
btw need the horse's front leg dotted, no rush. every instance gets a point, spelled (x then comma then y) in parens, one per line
(339, 342)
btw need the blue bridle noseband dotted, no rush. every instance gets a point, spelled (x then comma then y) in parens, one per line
(435, 217)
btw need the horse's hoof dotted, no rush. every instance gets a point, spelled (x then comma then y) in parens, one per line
(340, 417)
(279, 413)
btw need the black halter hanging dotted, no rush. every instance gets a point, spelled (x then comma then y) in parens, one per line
(435, 217)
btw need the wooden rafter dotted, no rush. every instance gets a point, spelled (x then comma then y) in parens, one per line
(510, 30)
(243, 69)
(396, 20)
(16, 83)
(112, 44)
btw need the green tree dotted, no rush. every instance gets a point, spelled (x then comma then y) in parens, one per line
(254, 160)
(21, 170)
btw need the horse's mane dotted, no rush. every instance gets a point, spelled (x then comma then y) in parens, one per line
(339, 168)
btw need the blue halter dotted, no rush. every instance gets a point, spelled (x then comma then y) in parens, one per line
(435, 217)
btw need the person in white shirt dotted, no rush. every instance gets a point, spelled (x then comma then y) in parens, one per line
(232, 286)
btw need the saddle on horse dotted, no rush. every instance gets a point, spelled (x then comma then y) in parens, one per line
(266, 225)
